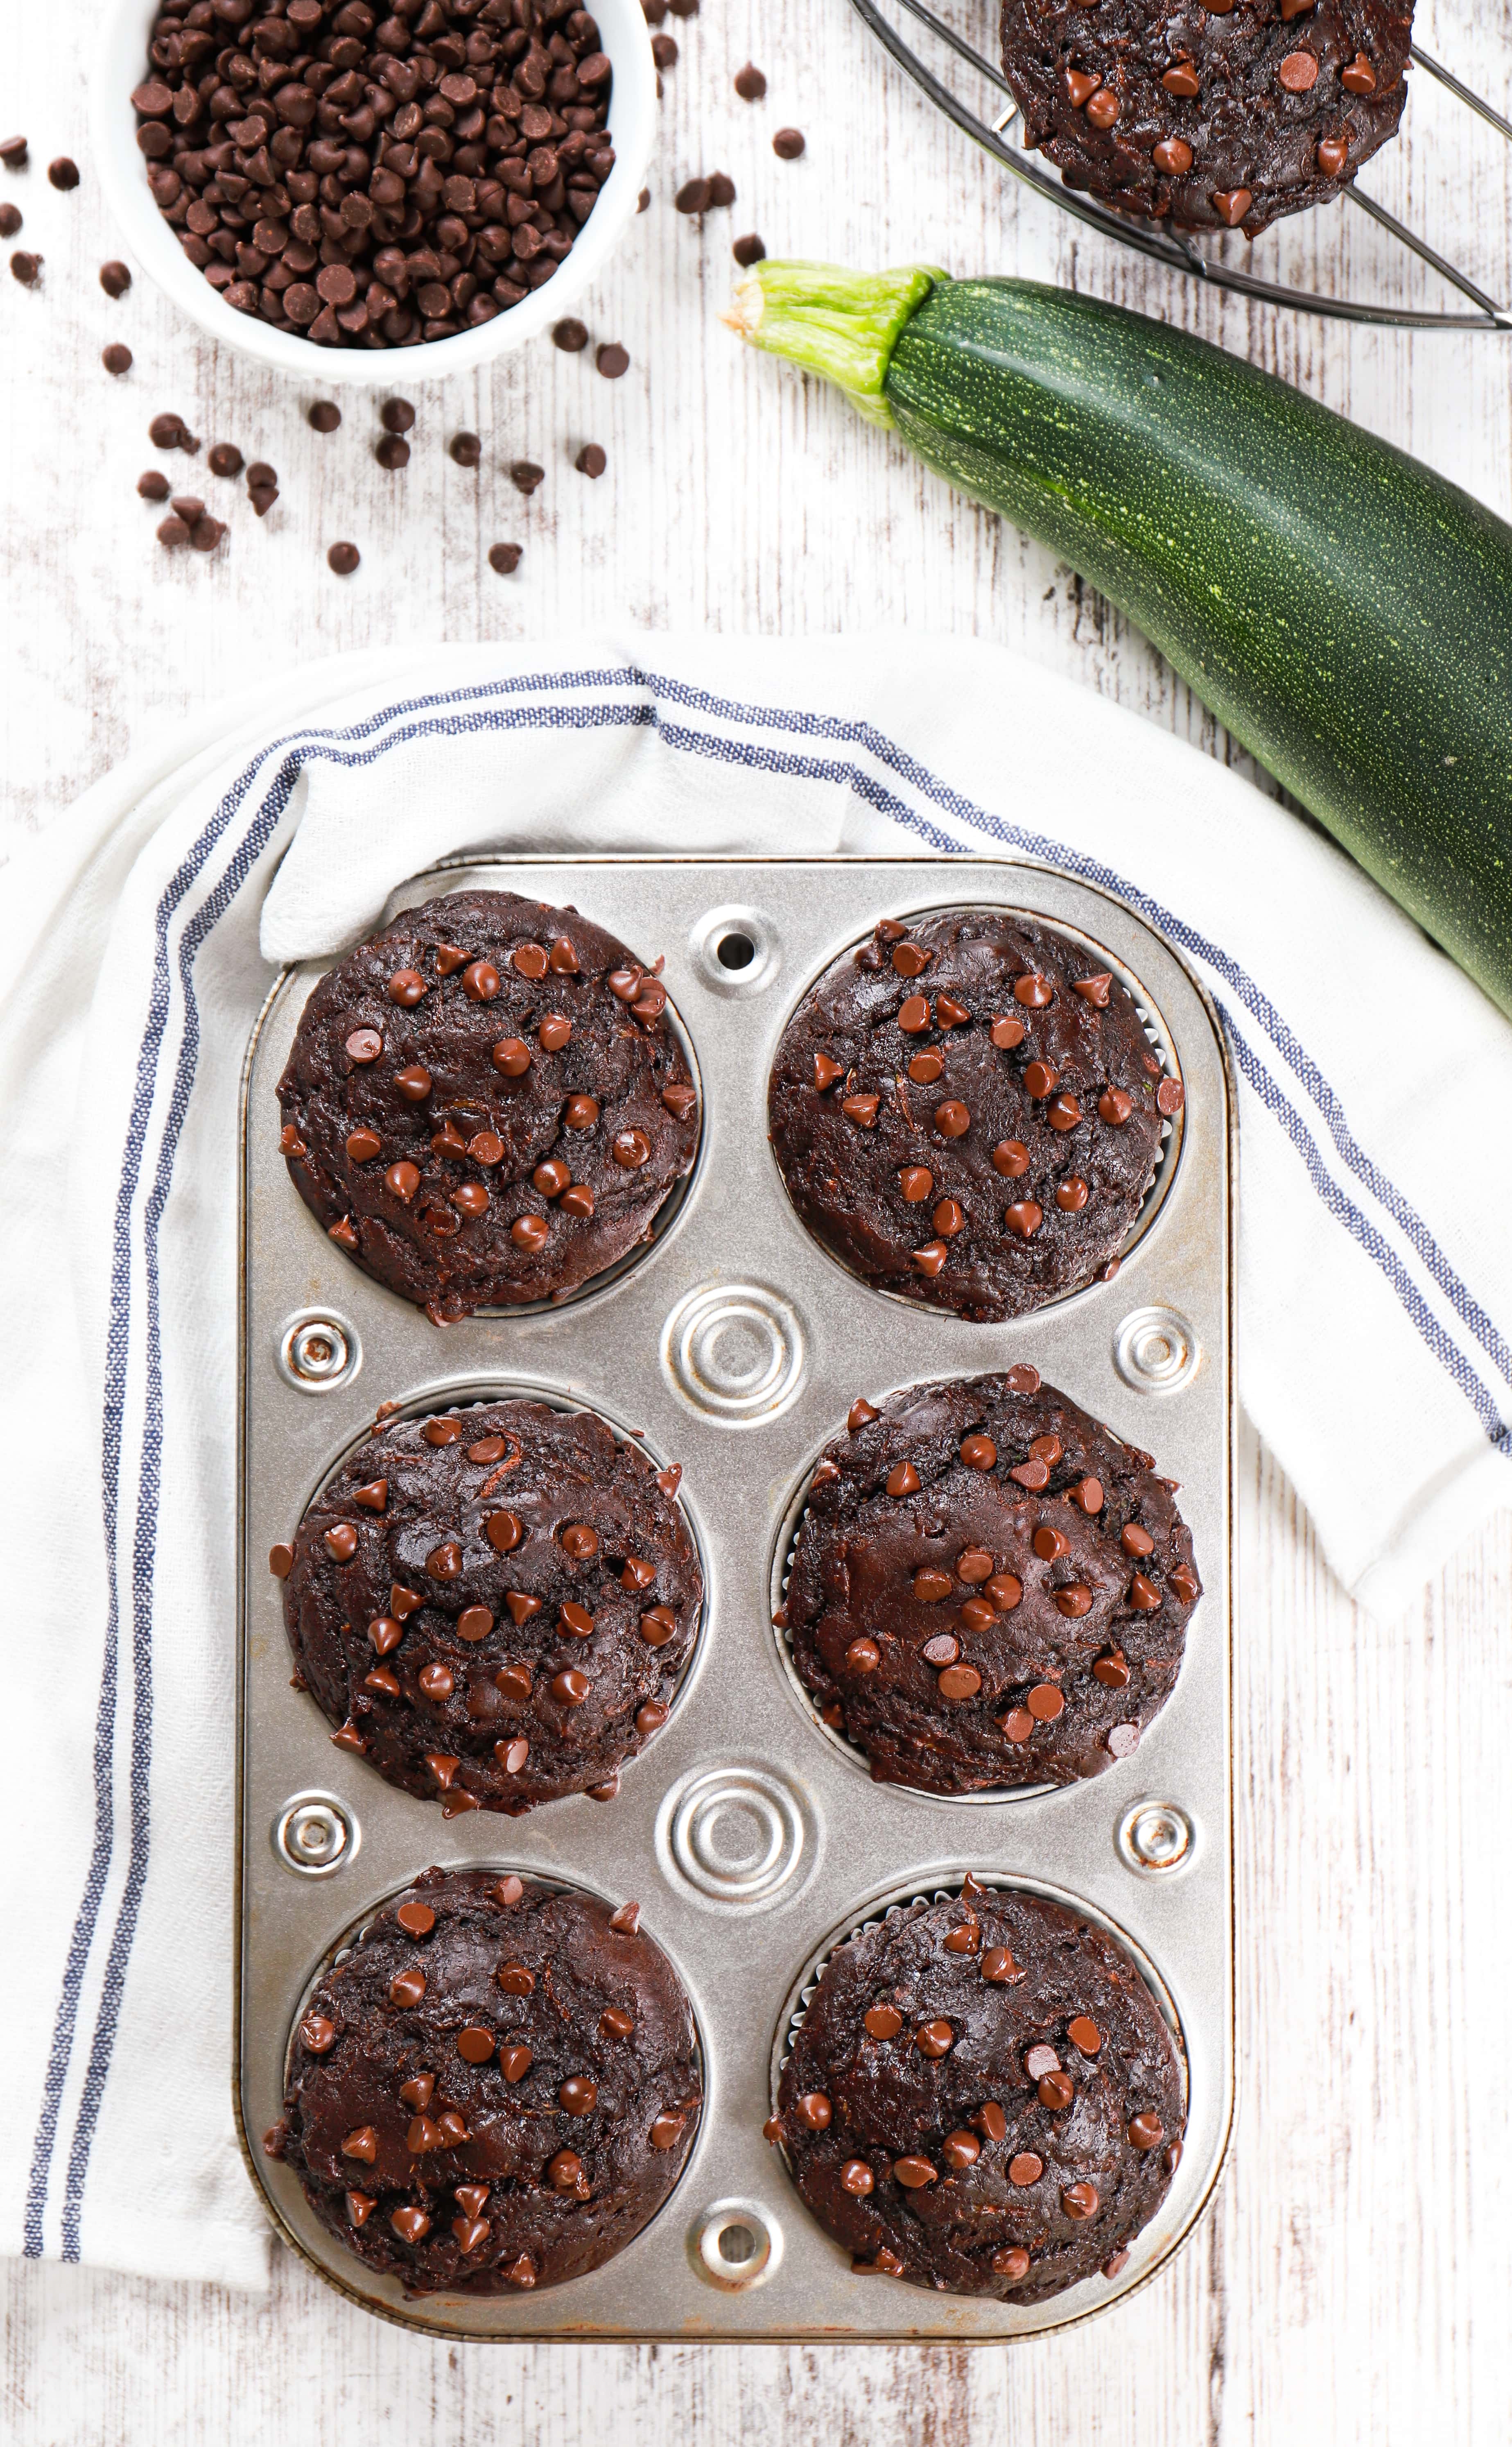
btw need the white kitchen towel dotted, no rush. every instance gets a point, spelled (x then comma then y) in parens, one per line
(146, 927)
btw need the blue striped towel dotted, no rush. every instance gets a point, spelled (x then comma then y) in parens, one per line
(145, 928)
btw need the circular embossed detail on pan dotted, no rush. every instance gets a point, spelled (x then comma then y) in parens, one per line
(972, 1110)
(493, 2087)
(735, 1352)
(494, 1604)
(982, 2092)
(737, 1835)
(986, 1590)
(490, 1104)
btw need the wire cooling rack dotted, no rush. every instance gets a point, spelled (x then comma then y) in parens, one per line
(1169, 246)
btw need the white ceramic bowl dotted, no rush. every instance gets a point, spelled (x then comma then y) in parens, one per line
(121, 65)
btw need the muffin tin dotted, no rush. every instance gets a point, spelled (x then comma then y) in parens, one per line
(753, 1839)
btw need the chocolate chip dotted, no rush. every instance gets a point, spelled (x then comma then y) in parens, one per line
(1080, 2200)
(343, 558)
(749, 250)
(693, 196)
(1044, 1702)
(721, 190)
(882, 2022)
(570, 334)
(64, 174)
(115, 278)
(612, 360)
(324, 416)
(749, 83)
(524, 475)
(13, 152)
(788, 144)
(857, 2177)
(1011, 2263)
(1170, 1096)
(1026, 2168)
(978, 1452)
(915, 2172)
(998, 1966)
(591, 460)
(117, 358)
(664, 51)
(319, 2037)
(1146, 2130)
(951, 1119)
(26, 268)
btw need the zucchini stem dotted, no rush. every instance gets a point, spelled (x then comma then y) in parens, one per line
(844, 325)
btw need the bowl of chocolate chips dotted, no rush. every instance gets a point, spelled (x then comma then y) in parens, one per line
(324, 183)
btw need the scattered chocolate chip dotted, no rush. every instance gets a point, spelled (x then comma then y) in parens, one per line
(26, 268)
(788, 144)
(13, 152)
(117, 358)
(749, 83)
(915, 2172)
(343, 558)
(115, 278)
(505, 558)
(664, 51)
(64, 174)
(612, 360)
(693, 196)
(570, 334)
(749, 250)
(524, 475)
(392, 452)
(324, 416)
(591, 460)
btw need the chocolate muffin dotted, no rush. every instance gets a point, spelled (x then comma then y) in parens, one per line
(983, 2098)
(493, 1605)
(496, 2087)
(1222, 116)
(967, 1110)
(486, 1105)
(987, 1588)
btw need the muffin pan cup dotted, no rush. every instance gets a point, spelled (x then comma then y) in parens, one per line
(735, 1345)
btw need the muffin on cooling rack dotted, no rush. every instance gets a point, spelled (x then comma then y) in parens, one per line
(487, 1104)
(1216, 117)
(987, 1588)
(983, 2096)
(496, 2089)
(966, 1109)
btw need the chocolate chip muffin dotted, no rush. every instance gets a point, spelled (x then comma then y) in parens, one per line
(493, 1605)
(1222, 116)
(497, 2089)
(486, 1105)
(987, 1588)
(983, 2098)
(967, 1110)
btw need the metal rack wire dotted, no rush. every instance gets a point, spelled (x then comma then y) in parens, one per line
(1170, 246)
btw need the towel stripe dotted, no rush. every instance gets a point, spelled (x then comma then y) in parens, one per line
(450, 714)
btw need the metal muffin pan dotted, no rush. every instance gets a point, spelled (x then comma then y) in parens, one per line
(735, 1345)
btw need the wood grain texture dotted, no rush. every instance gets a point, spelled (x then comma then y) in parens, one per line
(1351, 2283)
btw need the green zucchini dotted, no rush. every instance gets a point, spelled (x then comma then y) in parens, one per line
(1345, 611)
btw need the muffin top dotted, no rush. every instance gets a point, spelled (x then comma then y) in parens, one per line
(496, 2087)
(966, 1110)
(486, 1105)
(1213, 118)
(494, 1604)
(983, 2096)
(987, 1588)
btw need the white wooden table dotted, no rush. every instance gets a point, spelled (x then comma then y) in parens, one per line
(1352, 2282)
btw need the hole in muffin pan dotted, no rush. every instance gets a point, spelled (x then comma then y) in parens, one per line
(778, 1573)
(340, 1950)
(1157, 1035)
(1152, 2246)
(736, 950)
(473, 1392)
